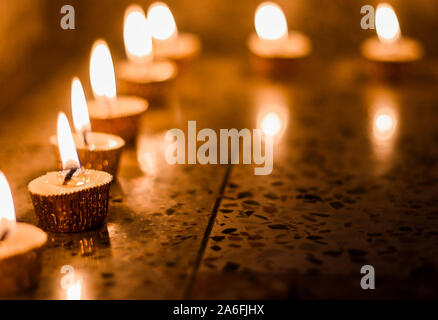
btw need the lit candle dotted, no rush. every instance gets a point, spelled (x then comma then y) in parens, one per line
(100, 151)
(141, 74)
(168, 41)
(20, 247)
(273, 44)
(74, 199)
(109, 113)
(390, 48)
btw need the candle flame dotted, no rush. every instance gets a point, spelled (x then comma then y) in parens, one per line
(270, 22)
(161, 20)
(66, 144)
(387, 26)
(137, 35)
(271, 124)
(7, 211)
(102, 77)
(81, 118)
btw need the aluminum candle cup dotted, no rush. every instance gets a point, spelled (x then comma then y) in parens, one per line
(274, 48)
(80, 205)
(279, 58)
(20, 248)
(391, 59)
(20, 259)
(184, 48)
(121, 118)
(152, 81)
(102, 152)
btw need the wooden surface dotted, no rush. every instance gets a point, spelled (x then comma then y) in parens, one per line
(339, 197)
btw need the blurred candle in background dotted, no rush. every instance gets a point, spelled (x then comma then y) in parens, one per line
(168, 42)
(163, 24)
(389, 49)
(109, 113)
(270, 24)
(276, 49)
(143, 74)
(137, 36)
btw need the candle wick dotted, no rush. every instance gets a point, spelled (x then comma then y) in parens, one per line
(4, 235)
(84, 135)
(108, 104)
(69, 175)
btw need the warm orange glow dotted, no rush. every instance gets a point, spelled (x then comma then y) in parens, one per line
(7, 211)
(66, 145)
(150, 149)
(270, 22)
(81, 118)
(384, 125)
(102, 77)
(137, 35)
(74, 290)
(162, 22)
(271, 124)
(273, 111)
(387, 26)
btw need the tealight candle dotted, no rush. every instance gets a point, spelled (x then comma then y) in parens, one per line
(72, 200)
(273, 45)
(142, 75)
(20, 247)
(109, 113)
(390, 49)
(168, 41)
(100, 151)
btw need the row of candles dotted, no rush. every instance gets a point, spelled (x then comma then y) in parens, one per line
(273, 39)
(76, 198)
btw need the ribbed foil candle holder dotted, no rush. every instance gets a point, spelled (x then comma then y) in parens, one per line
(20, 260)
(182, 50)
(83, 207)
(271, 58)
(122, 118)
(102, 153)
(152, 81)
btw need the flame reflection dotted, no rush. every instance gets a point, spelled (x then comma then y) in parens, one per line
(384, 124)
